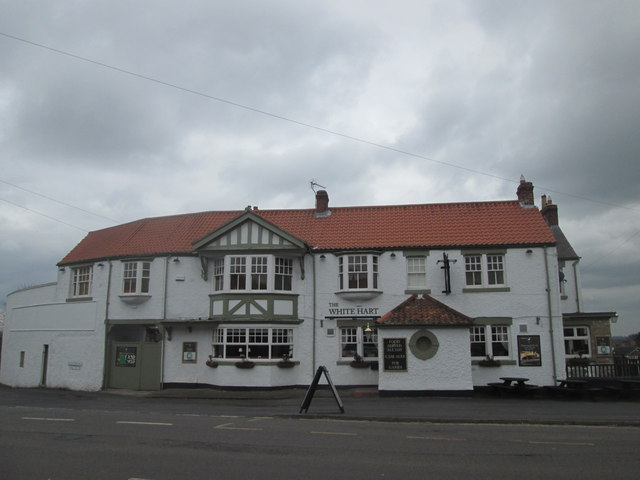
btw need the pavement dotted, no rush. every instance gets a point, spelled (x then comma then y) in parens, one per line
(365, 404)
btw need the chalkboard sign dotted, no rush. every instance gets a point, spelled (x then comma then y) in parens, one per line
(394, 351)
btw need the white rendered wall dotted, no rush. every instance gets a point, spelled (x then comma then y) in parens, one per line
(448, 370)
(72, 331)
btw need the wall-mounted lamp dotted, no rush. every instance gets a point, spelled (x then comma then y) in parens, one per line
(176, 260)
(368, 328)
(393, 255)
(529, 252)
(61, 269)
(322, 257)
(614, 319)
(101, 265)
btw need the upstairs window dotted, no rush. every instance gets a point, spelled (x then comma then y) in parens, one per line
(218, 274)
(238, 273)
(136, 277)
(81, 282)
(486, 270)
(416, 272)
(283, 274)
(254, 273)
(358, 272)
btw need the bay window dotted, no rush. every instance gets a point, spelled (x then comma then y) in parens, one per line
(136, 277)
(254, 343)
(256, 273)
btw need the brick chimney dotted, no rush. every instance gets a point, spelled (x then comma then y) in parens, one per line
(322, 204)
(525, 192)
(549, 211)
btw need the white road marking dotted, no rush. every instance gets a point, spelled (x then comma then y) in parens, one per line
(449, 439)
(46, 419)
(226, 426)
(162, 424)
(345, 434)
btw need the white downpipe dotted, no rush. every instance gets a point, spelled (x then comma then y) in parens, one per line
(550, 308)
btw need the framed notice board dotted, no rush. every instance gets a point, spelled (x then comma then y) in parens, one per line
(126, 356)
(189, 352)
(529, 354)
(394, 354)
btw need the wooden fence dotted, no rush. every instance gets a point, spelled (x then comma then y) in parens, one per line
(622, 367)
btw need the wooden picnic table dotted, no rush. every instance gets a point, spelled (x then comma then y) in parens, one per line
(513, 385)
(519, 381)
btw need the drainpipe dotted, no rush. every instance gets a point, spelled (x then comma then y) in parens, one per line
(550, 308)
(313, 354)
(164, 316)
(107, 343)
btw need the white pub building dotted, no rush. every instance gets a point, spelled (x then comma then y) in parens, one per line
(406, 298)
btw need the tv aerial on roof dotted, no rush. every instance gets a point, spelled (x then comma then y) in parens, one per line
(314, 184)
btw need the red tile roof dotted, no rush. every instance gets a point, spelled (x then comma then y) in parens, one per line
(501, 223)
(424, 310)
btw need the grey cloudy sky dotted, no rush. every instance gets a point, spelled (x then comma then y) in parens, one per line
(479, 92)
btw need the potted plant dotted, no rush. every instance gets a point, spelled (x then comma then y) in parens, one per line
(579, 361)
(211, 362)
(286, 362)
(489, 361)
(359, 362)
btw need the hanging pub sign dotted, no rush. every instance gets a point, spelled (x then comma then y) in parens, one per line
(126, 356)
(394, 354)
(529, 351)
(189, 352)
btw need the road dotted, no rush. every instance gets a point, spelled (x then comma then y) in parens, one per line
(127, 439)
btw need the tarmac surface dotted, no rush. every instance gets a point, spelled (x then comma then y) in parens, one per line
(367, 405)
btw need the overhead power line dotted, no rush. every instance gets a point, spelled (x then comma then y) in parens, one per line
(44, 215)
(59, 201)
(297, 122)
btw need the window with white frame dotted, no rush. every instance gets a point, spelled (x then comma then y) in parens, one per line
(81, 281)
(416, 272)
(486, 270)
(253, 342)
(136, 277)
(218, 274)
(359, 341)
(490, 341)
(358, 272)
(256, 273)
(576, 341)
(283, 274)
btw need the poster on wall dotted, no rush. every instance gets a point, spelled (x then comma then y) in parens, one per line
(189, 352)
(126, 356)
(394, 351)
(529, 351)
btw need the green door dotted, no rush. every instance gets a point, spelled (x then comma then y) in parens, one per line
(135, 365)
